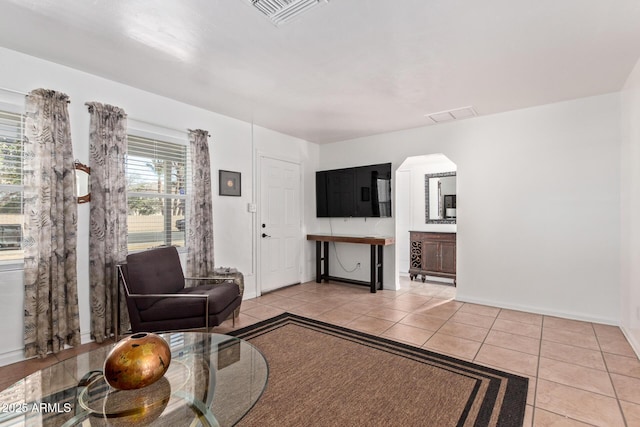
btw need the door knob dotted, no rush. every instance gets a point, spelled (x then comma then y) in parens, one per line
(265, 235)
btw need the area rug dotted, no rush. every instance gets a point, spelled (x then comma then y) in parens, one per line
(325, 375)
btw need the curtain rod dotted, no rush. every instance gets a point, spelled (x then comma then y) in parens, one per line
(130, 118)
(22, 93)
(13, 91)
(157, 125)
(183, 131)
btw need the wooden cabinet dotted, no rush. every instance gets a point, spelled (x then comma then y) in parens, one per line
(432, 254)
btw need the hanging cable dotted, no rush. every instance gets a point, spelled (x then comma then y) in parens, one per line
(335, 250)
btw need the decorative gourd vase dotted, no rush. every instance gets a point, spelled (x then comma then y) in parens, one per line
(137, 361)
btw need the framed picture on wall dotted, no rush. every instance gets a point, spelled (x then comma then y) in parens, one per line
(229, 183)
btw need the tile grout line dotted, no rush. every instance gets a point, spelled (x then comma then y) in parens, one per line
(613, 386)
(484, 340)
(441, 326)
(535, 390)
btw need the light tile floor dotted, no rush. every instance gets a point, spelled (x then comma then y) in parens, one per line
(580, 373)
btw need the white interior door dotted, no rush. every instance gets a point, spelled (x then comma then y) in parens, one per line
(280, 227)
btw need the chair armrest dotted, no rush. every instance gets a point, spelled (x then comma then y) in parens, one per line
(201, 296)
(236, 278)
(167, 296)
(216, 279)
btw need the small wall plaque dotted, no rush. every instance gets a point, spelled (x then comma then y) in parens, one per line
(229, 183)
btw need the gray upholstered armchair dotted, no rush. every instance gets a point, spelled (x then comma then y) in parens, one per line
(159, 299)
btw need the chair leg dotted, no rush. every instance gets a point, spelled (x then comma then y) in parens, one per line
(234, 321)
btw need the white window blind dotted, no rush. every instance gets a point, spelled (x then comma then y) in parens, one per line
(156, 190)
(11, 189)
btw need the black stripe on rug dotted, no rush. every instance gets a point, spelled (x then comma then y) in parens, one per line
(323, 374)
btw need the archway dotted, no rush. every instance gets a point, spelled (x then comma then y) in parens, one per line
(410, 206)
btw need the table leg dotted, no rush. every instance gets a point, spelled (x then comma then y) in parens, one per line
(116, 326)
(380, 264)
(326, 260)
(318, 261)
(373, 269)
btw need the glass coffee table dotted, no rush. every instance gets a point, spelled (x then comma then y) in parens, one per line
(213, 380)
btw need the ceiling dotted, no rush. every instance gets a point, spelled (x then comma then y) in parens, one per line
(347, 69)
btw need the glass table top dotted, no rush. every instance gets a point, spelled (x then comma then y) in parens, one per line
(212, 380)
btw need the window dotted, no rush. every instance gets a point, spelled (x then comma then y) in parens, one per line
(11, 200)
(157, 188)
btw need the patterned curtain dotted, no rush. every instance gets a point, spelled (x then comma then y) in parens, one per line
(51, 296)
(200, 226)
(108, 223)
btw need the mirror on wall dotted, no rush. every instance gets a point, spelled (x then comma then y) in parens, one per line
(440, 198)
(83, 192)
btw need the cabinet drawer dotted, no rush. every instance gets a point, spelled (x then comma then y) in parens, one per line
(429, 236)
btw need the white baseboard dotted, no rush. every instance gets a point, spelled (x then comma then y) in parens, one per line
(17, 355)
(539, 310)
(635, 345)
(248, 295)
(85, 338)
(12, 356)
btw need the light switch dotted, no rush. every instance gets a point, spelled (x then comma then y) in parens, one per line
(251, 207)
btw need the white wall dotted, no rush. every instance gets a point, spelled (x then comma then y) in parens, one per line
(232, 148)
(552, 173)
(630, 227)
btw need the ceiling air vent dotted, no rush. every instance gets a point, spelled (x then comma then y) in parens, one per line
(449, 115)
(283, 11)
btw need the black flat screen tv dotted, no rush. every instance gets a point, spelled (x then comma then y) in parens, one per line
(359, 192)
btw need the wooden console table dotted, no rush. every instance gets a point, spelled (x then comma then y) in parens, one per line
(377, 261)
